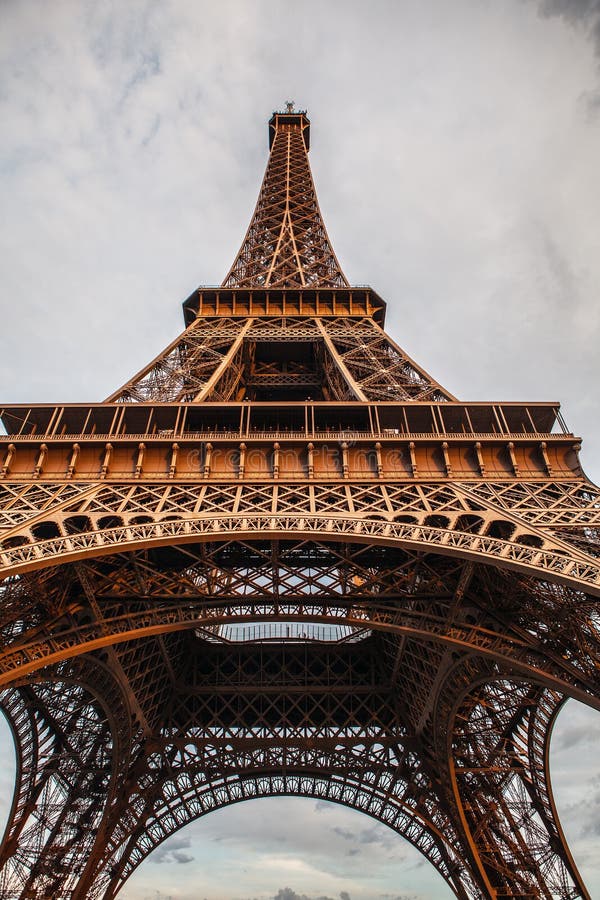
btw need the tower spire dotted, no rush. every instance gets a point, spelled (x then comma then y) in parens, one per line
(286, 244)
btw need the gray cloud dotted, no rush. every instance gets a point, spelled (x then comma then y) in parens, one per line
(574, 11)
(375, 835)
(399, 897)
(577, 736)
(344, 833)
(583, 816)
(287, 893)
(588, 811)
(172, 851)
(582, 13)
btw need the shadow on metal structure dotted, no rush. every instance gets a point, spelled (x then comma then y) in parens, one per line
(284, 560)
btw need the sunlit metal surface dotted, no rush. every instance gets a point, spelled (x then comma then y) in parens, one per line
(283, 559)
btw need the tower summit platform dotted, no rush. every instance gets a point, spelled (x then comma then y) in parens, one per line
(290, 121)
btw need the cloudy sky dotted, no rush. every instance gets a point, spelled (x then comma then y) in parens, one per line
(455, 148)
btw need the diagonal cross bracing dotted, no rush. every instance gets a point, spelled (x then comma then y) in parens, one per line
(282, 559)
(286, 244)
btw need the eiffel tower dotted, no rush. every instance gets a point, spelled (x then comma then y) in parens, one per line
(284, 560)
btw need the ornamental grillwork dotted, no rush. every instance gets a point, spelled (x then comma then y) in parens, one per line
(283, 559)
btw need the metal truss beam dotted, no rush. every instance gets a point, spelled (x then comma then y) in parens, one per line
(283, 560)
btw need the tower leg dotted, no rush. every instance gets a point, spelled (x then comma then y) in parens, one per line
(499, 773)
(71, 752)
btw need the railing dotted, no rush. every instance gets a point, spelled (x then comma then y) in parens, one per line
(323, 434)
(279, 632)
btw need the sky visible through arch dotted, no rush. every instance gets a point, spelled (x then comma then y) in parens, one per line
(455, 151)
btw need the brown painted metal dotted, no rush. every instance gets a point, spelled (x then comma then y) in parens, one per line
(286, 244)
(282, 559)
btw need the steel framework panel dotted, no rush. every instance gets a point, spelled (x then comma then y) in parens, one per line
(282, 559)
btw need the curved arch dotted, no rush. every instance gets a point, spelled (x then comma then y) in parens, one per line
(68, 644)
(439, 847)
(349, 848)
(560, 564)
(544, 718)
(357, 585)
(21, 723)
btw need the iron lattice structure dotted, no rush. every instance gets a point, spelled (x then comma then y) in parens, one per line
(282, 559)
